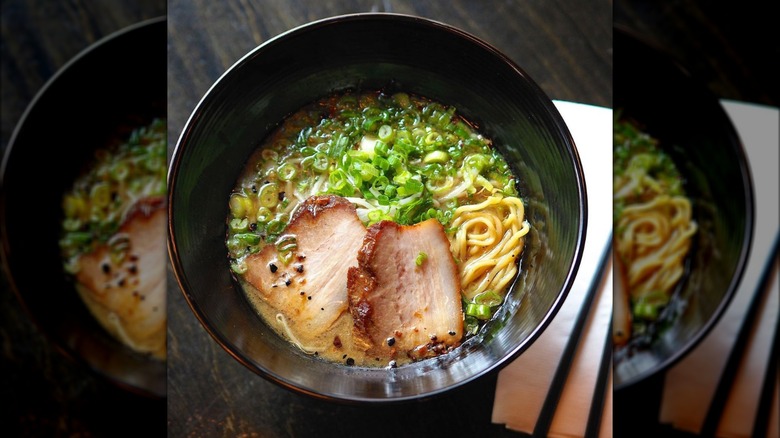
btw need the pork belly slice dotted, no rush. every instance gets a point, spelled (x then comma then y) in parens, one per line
(401, 308)
(311, 290)
(127, 295)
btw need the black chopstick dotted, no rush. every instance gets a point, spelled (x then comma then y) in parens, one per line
(718, 403)
(550, 404)
(771, 376)
(596, 413)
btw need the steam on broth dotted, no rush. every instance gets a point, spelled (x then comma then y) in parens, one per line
(386, 172)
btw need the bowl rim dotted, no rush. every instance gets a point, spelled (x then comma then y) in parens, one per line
(549, 108)
(747, 238)
(5, 246)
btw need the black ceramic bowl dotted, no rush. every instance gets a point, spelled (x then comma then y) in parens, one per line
(373, 51)
(656, 92)
(117, 82)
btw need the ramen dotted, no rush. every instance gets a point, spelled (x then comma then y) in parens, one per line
(113, 234)
(654, 229)
(357, 182)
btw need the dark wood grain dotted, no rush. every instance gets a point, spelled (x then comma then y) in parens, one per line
(731, 49)
(565, 48)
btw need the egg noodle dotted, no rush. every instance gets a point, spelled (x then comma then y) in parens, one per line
(654, 224)
(655, 238)
(488, 241)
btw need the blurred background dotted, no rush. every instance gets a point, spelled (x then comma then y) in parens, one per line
(732, 51)
(730, 48)
(45, 392)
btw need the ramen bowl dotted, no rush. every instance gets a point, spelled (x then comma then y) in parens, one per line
(118, 81)
(313, 61)
(655, 91)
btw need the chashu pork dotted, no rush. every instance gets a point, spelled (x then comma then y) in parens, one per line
(310, 291)
(405, 295)
(127, 294)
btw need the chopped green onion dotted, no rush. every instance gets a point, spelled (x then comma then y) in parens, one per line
(431, 138)
(649, 305)
(73, 206)
(100, 195)
(286, 172)
(287, 242)
(488, 298)
(237, 224)
(285, 257)
(120, 171)
(381, 148)
(471, 325)
(248, 238)
(264, 214)
(239, 205)
(436, 157)
(380, 162)
(274, 228)
(239, 267)
(268, 195)
(339, 183)
(421, 258)
(71, 224)
(386, 133)
(320, 162)
(479, 311)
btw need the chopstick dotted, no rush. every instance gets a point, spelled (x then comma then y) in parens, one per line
(599, 395)
(547, 413)
(761, 422)
(718, 403)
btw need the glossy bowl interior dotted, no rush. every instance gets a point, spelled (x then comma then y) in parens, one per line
(119, 81)
(654, 90)
(373, 51)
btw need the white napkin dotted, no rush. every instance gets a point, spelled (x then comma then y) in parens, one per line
(690, 385)
(524, 383)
